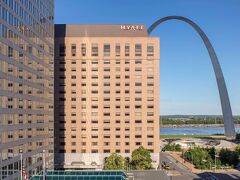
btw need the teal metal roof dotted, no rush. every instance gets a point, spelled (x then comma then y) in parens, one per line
(83, 175)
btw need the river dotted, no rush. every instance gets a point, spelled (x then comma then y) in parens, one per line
(194, 130)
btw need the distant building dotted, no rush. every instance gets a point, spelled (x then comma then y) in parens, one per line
(26, 86)
(106, 93)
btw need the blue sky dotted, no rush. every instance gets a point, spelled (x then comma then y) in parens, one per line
(188, 84)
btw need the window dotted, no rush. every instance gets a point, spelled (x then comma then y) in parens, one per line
(106, 61)
(117, 49)
(94, 91)
(94, 49)
(62, 50)
(150, 91)
(83, 50)
(118, 61)
(106, 69)
(73, 50)
(106, 84)
(127, 50)
(150, 143)
(94, 69)
(138, 61)
(150, 61)
(138, 99)
(106, 77)
(138, 136)
(29, 49)
(150, 77)
(149, 70)
(73, 62)
(150, 50)
(84, 61)
(10, 51)
(95, 61)
(20, 54)
(150, 84)
(138, 69)
(138, 50)
(106, 49)
(94, 84)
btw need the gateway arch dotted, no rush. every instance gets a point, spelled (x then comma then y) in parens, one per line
(223, 93)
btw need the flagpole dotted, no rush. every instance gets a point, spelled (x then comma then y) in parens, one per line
(44, 165)
(1, 166)
(21, 159)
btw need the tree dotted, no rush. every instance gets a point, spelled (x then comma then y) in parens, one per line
(199, 157)
(141, 159)
(238, 149)
(114, 162)
(238, 136)
(212, 152)
(228, 157)
(172, 147)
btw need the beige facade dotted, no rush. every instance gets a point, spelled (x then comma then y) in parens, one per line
(106, 93)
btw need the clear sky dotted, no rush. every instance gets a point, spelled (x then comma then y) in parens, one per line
(188, 83)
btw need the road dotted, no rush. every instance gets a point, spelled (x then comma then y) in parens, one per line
(221, 176)
(179, 172)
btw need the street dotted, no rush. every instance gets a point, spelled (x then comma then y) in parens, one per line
(179, 172)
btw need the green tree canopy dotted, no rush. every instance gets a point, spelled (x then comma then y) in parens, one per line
(238, 149)
(114, 162)
(228, 157)
(200, 157)
(141, 159)
(172, 147)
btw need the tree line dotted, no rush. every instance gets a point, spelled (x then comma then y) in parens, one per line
(208, 158)
(196, 120)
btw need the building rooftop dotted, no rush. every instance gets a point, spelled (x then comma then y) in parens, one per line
(100, 30)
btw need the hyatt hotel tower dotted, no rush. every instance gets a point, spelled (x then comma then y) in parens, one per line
(106, 93)
(26, 86)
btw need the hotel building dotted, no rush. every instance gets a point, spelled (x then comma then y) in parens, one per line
(26, 86)
(106, 93)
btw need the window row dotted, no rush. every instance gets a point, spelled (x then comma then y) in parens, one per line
(106, 50)
(96, 151)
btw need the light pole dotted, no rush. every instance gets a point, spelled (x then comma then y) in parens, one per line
(192, 161)
(191, 158)
(215, 161)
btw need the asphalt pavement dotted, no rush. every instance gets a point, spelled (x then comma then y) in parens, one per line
(179, 172)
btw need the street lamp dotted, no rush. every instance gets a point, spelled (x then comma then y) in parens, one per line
(191, 158)
(204, 160)
(215, 162)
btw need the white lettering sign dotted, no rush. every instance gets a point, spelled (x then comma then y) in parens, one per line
(132, 27)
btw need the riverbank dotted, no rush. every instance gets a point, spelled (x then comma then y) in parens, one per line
(178, 136)
(194, 125)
